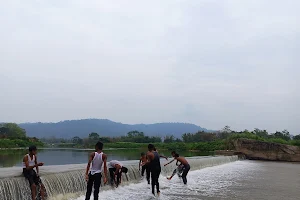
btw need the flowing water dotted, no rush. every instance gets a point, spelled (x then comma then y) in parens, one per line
(210, 178)
(66, 181)
(240, 180)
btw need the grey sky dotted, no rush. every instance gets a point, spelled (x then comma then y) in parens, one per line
(208, 62)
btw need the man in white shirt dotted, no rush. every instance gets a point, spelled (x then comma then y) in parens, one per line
(29, 163)
(93, 174)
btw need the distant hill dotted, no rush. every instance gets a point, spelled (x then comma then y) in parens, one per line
(104, 127)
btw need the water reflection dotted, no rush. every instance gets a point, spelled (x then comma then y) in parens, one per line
(10, 158)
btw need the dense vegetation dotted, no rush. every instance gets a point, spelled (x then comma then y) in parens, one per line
(12, 136)
(200, 141)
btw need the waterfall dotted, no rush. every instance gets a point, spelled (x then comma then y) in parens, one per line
(68, 179)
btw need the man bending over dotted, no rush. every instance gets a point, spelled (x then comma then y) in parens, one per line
(115, 170)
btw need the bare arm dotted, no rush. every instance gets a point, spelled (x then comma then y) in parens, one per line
(104, 158)
(37, 167)
(118, 169)
(169, 162)
(140, 164)
(163, 157)
(88, 166)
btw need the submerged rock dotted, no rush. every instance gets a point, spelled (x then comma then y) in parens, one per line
(259, 150)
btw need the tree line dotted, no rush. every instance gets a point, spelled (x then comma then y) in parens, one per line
(11, 136)
(132, 136)
(225, 135)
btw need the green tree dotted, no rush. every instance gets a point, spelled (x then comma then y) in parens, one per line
(285, 135)
(94, 136)
(225, 132)
(169, 139)
(154, 139)
(187, 137)
(261, 133)
(104, 139)
(3, 132)
(296, 137)
(227, 129)
(207, 137)
(13, 130)
(178, 140)
(77, 140)
(133, 134)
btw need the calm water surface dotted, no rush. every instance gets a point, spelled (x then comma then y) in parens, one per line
(10, 158)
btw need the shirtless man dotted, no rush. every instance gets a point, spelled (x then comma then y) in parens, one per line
(179, 168)
(142, 162)
(184, 162)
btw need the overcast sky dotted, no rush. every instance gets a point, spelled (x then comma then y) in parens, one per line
(208, 62)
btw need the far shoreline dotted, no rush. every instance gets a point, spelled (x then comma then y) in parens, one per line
(90, 149)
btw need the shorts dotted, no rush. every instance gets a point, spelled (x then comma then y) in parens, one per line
(31, 176)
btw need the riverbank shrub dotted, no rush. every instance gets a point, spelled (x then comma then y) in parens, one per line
(12, 136)
(295, 142)
(18, 143)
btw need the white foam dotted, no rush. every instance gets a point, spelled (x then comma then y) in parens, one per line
(68, 179)
(208, 182)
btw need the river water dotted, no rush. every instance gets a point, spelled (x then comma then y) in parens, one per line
(210, 178)
(240, 180)
(11, 158)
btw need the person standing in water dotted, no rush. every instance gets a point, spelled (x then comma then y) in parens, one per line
(93, 174)
(142, 162)
(154, 166)
(179, 168)
(184, 162)
(29, 163)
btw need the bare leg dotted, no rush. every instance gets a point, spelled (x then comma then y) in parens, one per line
(42, 191)
(33, 191)
(174, 172)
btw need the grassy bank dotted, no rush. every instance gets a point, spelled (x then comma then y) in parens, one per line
(255, 137)
(19, 143)
(225, 144)
(219, 144)
(199, 146)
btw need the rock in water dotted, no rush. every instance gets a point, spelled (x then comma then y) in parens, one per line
(259, 150)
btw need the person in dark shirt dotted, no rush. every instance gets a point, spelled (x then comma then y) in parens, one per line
(153, 161)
